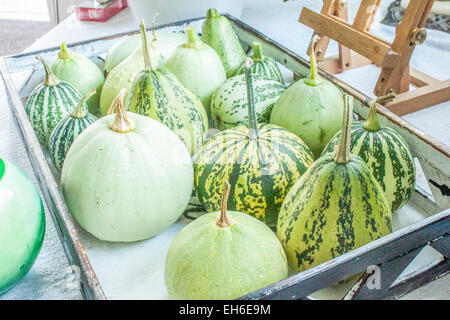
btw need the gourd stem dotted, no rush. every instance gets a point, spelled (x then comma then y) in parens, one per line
(343, 151)
(372, 123)
(223, 220)
(147, 61)
(154, 28)
(79, 112)
(258, 54)
(252, 122)
(313, 79)
(122, 123)
(64, 53)
(193, 40)
(50, 78)
(212, 13)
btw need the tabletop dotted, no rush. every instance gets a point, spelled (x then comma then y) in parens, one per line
(53, 278)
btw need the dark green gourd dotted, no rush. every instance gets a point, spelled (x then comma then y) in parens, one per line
(336, 206)
(68, 129)
(386, 153)
(49, 102)
(218, 33)
(261, 161)
(158, 94)
(311, 108)
(263, 65)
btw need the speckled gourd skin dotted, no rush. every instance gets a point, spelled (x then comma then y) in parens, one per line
(47, 105)
(219, 34)
(127, 186)
(388, 156)
(229, 102)
(207, 262)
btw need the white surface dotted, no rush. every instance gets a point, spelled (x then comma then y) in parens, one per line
(279, 21)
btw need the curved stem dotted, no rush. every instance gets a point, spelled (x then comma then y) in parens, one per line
(122, 123)
(258, 54)
(252, 121)
(342, 154)
(79, 112)
(223, 220)
(64, 53)
(313, 79)
(212, 13)
(154, 28)
(193, 40)
(147, 61)
(50, 78)
(372, 123)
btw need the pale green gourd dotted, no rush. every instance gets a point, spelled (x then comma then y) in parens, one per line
(80, 72)
(198, 67)
(223, 255)
(311, 108)
(126, 177)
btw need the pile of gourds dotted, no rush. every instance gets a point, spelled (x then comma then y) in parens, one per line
(285, 158)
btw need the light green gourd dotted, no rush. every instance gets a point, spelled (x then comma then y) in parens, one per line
(22, 224)
(198, 67)
(126, 177)
(80, 72)
(335, 207)
(223, 255)
(311, 108)
(218, 33)
(158, 94)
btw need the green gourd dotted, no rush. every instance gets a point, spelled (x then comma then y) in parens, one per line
(49, 102)
(311, 108)
(229, 106)
(197, 66)
(223, 255)
(120, 180)
(68, 129)
(22, 224)
(336, 206)
(219, 34)
(386, 153)
(158, 94)
(263, 65)
(261, 161)
(80, 72)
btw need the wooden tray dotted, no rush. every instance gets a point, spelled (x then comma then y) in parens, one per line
(416, 253)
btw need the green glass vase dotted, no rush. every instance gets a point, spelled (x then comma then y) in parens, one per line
(22, 224)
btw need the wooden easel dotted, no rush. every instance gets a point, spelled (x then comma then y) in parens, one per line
(357, 47)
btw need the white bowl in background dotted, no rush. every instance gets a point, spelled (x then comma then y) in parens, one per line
(176, 10)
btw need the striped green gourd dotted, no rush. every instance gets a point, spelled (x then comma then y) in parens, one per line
(49, 102)
(311, 108)
(159, 95)
(229, 103)
(197, 66)
(386, 153)
(68, 129)
(219, 34)
(81, 72)
(335, 207)
(261, 161)
(263, 65)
